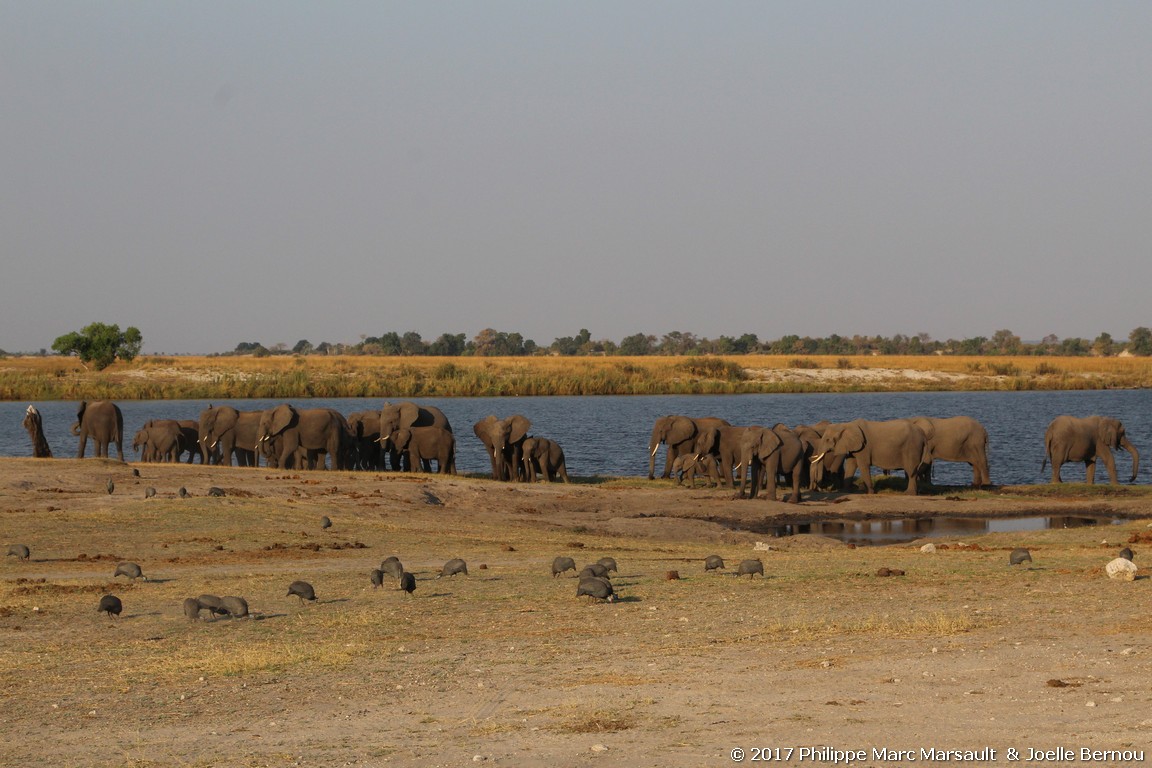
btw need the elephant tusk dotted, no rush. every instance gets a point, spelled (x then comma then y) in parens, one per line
(656, 449)
(817, 457)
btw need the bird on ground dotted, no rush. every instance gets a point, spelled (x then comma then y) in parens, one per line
(609, 563)
(712, 562)
(453, 567)
(183, 492)
(135, 472)
(1019, 555)
(131, 570)
(1127, 554)
(19, 551)
(302, 590)
(407, 582)
(111, 605)
(562, 564)
(597, 587)
(216, 492)
(325, 523)
(149, 492)
(111, 486)
(377, 577)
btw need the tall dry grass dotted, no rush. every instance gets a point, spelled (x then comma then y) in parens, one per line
(56, 378)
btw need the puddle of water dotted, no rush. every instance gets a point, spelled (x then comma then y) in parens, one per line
(880, 532)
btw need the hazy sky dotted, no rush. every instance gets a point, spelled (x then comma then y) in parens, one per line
(218, 172)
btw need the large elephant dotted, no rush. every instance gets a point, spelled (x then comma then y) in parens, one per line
(35, 427)
(190, 442)
(316, 430)
(545, 457)
(159, 440)
(425, 444)
(723, 445)
(365, 426)
(394, 416)
(833, 470)
(503, 439)
(224, 431)
(102, 421)
(1086, 439)
(772, 452)
(959, 438)
(678, 433)
(896, 444)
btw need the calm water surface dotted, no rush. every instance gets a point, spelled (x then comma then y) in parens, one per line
(609, 435)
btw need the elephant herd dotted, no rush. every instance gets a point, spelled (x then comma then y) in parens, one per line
(402, 436)
(411, 437)
(828, 455)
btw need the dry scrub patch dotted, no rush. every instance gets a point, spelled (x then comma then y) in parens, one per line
(507, 663)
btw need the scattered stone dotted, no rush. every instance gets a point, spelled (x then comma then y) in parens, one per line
(599, 748)
(928, 548)
(763, 546)
(1121, 569)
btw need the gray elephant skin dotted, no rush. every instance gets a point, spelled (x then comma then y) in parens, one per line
(959, 438)
(102, 421)
(766, 453)
(1086, 439)
(365, 426)
(503, 439)
(159, 440)
(394, 416)
(545, 458)
(679, 433)
(316, 430)
(422, 445)
(895, 444)
(224, 431)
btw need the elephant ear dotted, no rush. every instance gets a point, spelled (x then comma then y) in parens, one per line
(529, 446)
(680, 428)
(768, 443)
(409, 414)
(483, 428)
(519, 428)
(851, 439)
(282, 418)
(705, 440)
(1110, 432)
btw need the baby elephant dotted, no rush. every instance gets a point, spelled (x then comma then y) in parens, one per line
(750, 568)
(596, 587)
(453, 567)
(687, 466)
(561, 564)
(545, 458)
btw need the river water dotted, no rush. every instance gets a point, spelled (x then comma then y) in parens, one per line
(609, 435)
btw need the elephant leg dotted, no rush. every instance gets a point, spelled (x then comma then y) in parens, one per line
(770, 473)
(1090, 471)
(797, 481)
(1056, 472)
(913, 482)
(1110, 464)
(865, 476)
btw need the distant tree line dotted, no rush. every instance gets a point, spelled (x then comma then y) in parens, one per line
(492, 343)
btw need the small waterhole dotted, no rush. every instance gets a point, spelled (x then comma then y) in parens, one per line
(881, 532)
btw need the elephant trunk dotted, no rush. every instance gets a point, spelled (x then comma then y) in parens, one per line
(1126, 444)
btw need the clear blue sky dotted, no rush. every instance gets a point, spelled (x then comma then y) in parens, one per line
(218, 172)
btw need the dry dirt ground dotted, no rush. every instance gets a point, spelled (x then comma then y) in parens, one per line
(506, 666)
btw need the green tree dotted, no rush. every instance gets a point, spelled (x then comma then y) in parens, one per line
(1140, 341)
(100, 344)
(1104, 346)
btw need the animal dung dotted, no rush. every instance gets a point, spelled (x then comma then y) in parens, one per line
(1019, 555)
(407, 582)
(131, 570)
(19, 551)
(302, 590)
(609, 563)
(597, 587)
(750, 568)
(671, 575)
(562, 564)
(713, 562)
(453, 567)
(889, 572)
(482, 567)
(111, 605)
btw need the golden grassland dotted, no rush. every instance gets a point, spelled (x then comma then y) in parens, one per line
(293, 376)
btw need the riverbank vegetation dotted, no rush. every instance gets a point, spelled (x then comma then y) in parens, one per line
(298, 376)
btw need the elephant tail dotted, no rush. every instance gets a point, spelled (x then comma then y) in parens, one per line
(76, 429)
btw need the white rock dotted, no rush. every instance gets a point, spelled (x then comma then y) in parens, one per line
(1121, 569)
(762, 546)
(599, 748)
(928, 548)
